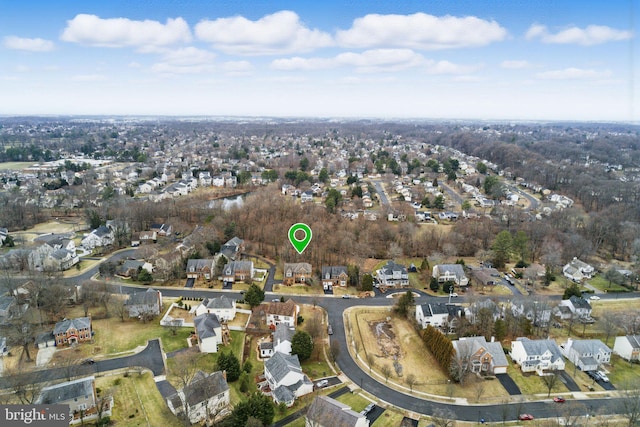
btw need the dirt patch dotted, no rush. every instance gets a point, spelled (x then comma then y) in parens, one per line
(386, 339)
(181, 313)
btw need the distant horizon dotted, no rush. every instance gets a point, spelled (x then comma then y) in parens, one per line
(443, 60)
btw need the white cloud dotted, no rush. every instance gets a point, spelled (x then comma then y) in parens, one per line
(28, 44)
(278, 33)
(515, 64)
(420, 31)
(122, 32)
(374, 60)
(89, 78)
(237, 67)
(573, 74)
(589, 36)
(189, 56)
(446, 67)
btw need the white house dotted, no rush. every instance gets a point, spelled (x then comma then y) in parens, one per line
(393, 275)
(577, 270)
(587, 355)
(627, 347)
(282, 337)
(208, 331)
(436, 315)
(285, 378)
(450, 272)
(282, 312)
(101, 236)
(538, 356)
(204, 399)
(538, 312)
(327, 412)
(223, 307)
(578, 306)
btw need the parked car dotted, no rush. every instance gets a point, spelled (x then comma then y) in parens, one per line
(594, 297)
(525, 417)
(368, 409)
(88, 362)
(346, 296)
(558, 399)
(453, 294)
(594, 374)
(322, 383)
(603, 376)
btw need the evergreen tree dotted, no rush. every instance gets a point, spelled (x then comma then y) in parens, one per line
(302, 345)
(254, 295)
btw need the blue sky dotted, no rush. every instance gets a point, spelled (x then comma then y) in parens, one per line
(509, 59)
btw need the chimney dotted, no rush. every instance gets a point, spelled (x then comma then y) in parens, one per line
(224, 374)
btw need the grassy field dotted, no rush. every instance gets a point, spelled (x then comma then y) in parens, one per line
(14, 166)
(603, 284)
(137, 401)
(298, 290)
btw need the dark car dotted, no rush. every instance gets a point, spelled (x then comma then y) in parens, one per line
(88, 362)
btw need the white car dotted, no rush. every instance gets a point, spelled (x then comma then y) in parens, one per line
(322, 383)
(453, 294)
(594, 297)
(603, 376)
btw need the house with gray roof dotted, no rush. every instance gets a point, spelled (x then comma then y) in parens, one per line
(131, 267)
(579, 307)
(285, 378)
(327, 412)
(479, 356)
(577, 270)
(393, 275)
(205, 399)
(281, 337)
(450, 272)
(208, 332)
(200, 269)
(538, 312)
(10, 309)
(73, 331)
(233, 248)
(296, 273)
(79, 394)
(627, 347)
(101, 236)
(223, 307)
(334, 276)
(148, 303)
(436, 315)
(540, 356)
(587, 355)
(238, 271)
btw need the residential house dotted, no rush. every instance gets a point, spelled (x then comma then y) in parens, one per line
(10, 309)
(238, 271)
(266, 349)
(223, 307)
(233, 248)
(3, 235)
(579, 307)
(327, 412)
(393, 275)
(61, 259)
(148, 303)
(627, 347)
(45, 340)
(281, 312)
(285, 378)
(306, 196)
(540, 356)
(480, 356)
(436, 315)
(73, 331)
(577, 270)
(200, 269)
(132, 267)
(145, 237)
(538, 312)
(162, 230)
(587, 355)
(486, 306)
(281, 338)
(485, 276)
(204, 399)
(296, 273)
(334, 276)
(101, 236)
(79, 394)
(450, 272)
(208, 332)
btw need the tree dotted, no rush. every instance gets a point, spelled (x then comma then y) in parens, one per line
(502, 247)
(258, 406)
(302, 345)
(334, 350)
(386, 372)
(314, 326)
(403, 304)
(367, 282)
(550, 381)
(609, 322)
(630, 403)
(323, 176)
(227, 361)
(438, 202)
(491, 184)
(411, 381)
(254, 295)
(481, 168)
(443, 418)
(371, 360)
(572, 290)
(144, 276)
(612, 275)
(304, 164)
(434, 285)
(448, 286)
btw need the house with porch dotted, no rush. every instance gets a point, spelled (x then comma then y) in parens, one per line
(73, 331)
(223, 307)
(577, 270)
(578, 306)
(450, 273)
(285, 378)
(281, 312)
(81, 397)
(540, 356)
(100, 237)
(393, 275)
(238, 271)
(200, 269)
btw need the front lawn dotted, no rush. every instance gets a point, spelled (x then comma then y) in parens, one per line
(599, 282)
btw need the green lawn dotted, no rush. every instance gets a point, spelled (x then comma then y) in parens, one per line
(390, 417)
(601, 283)
(354, 400)
(623, 373)
(298, 290)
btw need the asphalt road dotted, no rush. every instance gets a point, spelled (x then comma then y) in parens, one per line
(383, 196)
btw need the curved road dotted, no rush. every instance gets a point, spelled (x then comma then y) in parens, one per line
(335, 308)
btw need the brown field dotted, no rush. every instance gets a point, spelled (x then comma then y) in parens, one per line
(14, 166)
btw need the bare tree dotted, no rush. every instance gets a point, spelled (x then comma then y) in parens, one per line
(25, 385)
(411, 380)
(571, 413)
(334, 350)
(479, 388)
(21, 333)
(313, 325)
(550, 381)
(386, 372)
(371, 361)
(443, 418)
(630, 403)
(609, 321)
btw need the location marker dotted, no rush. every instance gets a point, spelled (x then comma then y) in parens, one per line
(300, 245)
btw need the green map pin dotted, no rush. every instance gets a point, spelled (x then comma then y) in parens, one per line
(300, 245)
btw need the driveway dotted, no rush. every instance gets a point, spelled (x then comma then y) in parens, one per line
(568, 381)
(508, 384)
(44, 356)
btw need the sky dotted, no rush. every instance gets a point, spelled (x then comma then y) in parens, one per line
(428, 59)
